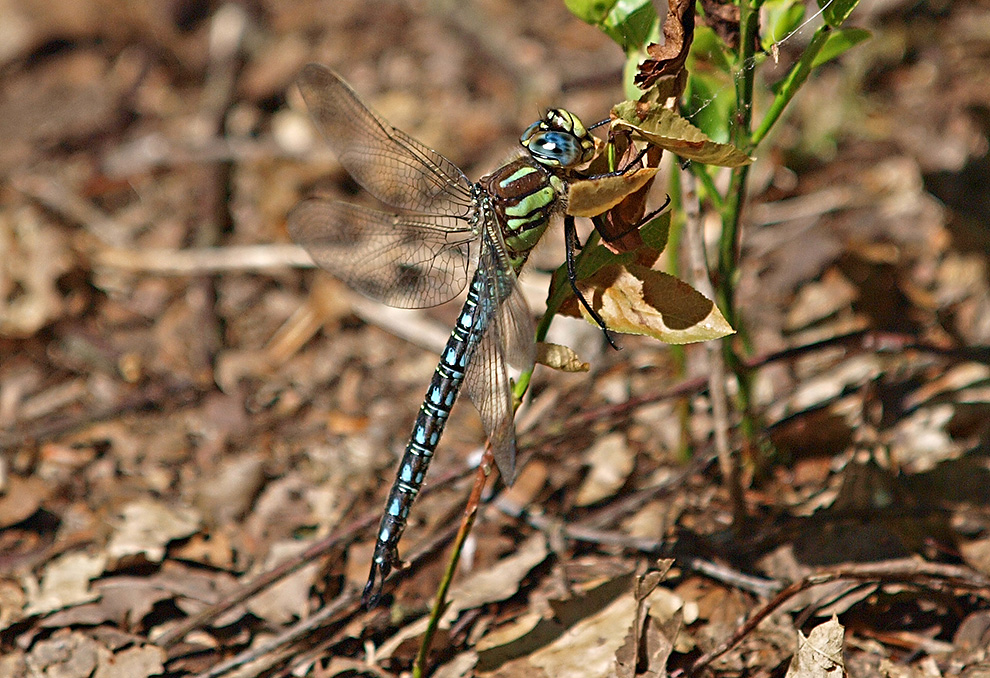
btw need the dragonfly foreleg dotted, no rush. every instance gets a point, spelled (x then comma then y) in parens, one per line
(572, 243)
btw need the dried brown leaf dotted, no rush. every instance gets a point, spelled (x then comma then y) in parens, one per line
(668, 130)
(612, 460)
(146, 526)
(667, 60)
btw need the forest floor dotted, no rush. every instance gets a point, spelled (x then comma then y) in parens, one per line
(186, 404)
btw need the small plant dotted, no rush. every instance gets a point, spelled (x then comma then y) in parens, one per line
(696, 96)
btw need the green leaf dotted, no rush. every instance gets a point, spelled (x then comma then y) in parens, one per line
(783, 18)
(630, 23)
(838, 42)
(668, 130)
(835, 12)
(710, 50)
(712, 99)
(656, 232)
(637, 300)
(590, 11)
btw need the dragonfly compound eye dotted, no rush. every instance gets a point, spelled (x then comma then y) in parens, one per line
(556, 149)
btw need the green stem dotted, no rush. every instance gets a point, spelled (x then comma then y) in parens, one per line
(728, 259)
(789, 87)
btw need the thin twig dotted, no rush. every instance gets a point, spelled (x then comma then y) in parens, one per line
(695, 245)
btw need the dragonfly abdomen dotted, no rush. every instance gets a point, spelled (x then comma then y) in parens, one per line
(430, 422)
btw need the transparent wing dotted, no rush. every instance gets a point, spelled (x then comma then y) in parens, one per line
(389, 164)
(507, 341)
(403, 260)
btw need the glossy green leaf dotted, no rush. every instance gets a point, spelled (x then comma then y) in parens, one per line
(835, 12)
(838, 42)
(668, 130)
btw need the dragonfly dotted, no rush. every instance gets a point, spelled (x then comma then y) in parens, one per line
(444, 232)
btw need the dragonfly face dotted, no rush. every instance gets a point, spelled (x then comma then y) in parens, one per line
(560, 139)
(445, 230)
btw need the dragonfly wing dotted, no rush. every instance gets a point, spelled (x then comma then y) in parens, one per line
(389, 164)
(507, 340)
(403, 260)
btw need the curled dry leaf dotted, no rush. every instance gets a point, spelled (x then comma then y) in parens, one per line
(634, 299)
(667, 60)
(559, 357)
(668, 130)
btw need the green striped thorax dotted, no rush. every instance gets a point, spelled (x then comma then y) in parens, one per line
(526, 192)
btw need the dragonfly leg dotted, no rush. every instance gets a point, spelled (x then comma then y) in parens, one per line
(571, 242)
(645, 219)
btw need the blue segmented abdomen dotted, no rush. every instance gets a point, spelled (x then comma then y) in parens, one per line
(430, 422)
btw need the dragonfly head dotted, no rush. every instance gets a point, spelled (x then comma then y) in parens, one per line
(560, 139)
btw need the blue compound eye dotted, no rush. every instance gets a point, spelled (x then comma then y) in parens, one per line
(526, 136)
(557, 149)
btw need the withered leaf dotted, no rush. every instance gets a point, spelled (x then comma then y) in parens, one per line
(634, 299)
(665, 128)
(667, 60)
(559, 357)
(592, 197)
(723, 18)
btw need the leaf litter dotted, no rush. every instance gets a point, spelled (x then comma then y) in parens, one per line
(137, 494)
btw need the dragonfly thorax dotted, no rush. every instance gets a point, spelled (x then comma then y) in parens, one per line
(560, 139)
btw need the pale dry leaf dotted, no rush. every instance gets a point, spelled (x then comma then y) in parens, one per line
(145, 527)
(820, 654)
(820, 299)
(612, 460)
(592, 197)
(21, 497)
(499, 581)
(134, 662)
(509, 633)
(64, 655)
(32, 258)
(588, 649)
(668, 130)
(460, 666)
(491, 585)
(66, 581)
(289, 598)
(634, 299)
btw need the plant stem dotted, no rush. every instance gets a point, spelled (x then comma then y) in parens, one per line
(791, 84)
